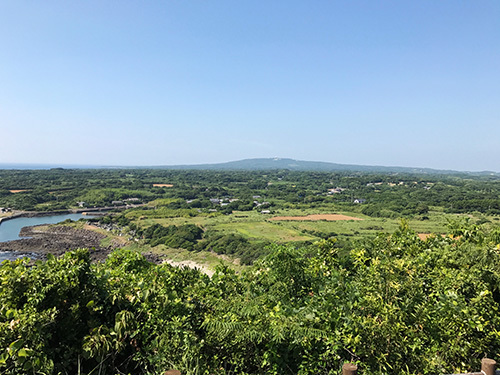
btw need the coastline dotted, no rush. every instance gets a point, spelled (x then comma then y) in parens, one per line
(42, 240)
(83, 211)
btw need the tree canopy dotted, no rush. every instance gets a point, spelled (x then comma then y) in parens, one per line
(395, 304)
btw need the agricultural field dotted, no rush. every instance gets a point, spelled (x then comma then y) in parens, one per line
(240, 213)
(295, 272)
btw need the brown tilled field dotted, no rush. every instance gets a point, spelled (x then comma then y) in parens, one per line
(317, 217)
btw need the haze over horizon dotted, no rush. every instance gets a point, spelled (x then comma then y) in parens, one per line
(391, 83)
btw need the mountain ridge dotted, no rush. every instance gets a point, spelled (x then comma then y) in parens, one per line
(255, 164)
(320, 166)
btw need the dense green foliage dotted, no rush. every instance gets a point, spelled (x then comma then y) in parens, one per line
(396, 304)
(194, 191)
(184, 236)
(192, 237)
(231, 244)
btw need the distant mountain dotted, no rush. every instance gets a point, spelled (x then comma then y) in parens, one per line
(27, 166)
(262, 164)
(301, 165)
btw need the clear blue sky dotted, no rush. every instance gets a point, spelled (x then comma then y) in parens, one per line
(397, 83)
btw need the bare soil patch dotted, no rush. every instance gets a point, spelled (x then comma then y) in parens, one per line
(316, 217)
(17, 191)
(163, 185)
(424, 236)
(191, 264)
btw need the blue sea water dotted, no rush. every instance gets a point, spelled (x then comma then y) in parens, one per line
(46, 166)
(9, 230)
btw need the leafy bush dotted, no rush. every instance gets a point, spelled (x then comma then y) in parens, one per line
(232, 244)
(396, 304)
(183, 236)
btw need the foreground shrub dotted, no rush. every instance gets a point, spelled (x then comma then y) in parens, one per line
(396, 304)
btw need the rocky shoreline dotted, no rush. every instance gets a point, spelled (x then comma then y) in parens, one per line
(58, 239)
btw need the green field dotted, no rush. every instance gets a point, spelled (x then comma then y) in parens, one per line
(228, 205)
(257, 227)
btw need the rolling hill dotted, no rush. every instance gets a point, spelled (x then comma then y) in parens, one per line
(301, 165)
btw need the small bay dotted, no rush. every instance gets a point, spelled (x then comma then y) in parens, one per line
(9, 229)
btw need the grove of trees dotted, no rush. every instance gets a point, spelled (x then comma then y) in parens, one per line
(385, 194)
(394, 304)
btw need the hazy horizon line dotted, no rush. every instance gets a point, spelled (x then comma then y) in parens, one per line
(39, 166)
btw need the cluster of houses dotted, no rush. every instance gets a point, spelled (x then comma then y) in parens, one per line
(261, 204)
(124, 202)
(400, 183)
(339, 190)
(4, 210)
(222, 202)
(336, 190)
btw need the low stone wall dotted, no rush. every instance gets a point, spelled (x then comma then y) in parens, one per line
(14, 216)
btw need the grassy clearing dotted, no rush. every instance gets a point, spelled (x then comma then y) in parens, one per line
(264, 231)
(207, 259)
(316, 217)
(256, 226)
(436, 222)
(252, 225)
(197, 220)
